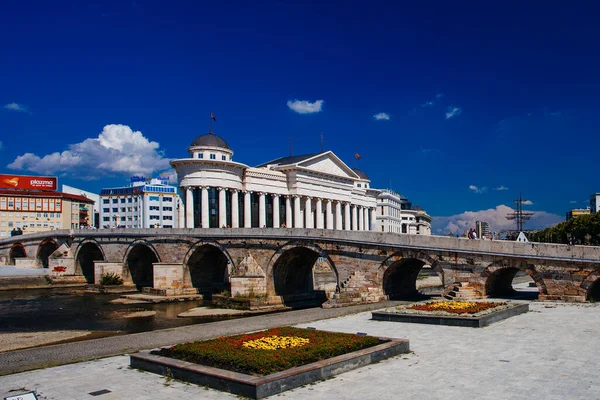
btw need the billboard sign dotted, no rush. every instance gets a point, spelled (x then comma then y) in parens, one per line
(137, 179)
(28, 182)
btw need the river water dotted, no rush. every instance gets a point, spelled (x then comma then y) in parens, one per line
(64, 309)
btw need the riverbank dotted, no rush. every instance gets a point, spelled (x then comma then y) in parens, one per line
(23, 340)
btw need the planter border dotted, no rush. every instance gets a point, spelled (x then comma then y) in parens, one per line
(471, 322)
(258, 387)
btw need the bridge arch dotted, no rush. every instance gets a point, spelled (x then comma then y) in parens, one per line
(87, 252)
(591, 286)
(499, 275)
(45, 249)
(398, 273)
(139, 259)
(207, 267)
(290, 272)
(16, 251)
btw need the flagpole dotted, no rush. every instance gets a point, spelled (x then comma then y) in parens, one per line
(210, 117)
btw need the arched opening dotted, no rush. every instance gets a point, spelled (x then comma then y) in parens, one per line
(46, 249)
(139, 263)
(88, 253)
(17, 251)
(429, 282)
(208, 270)
(400, 279)
(293, 278)
(511, 282)
(593, 294)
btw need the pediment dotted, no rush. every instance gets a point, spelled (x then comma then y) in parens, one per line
(328, 163)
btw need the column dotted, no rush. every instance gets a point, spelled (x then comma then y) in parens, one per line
(222, 208)
(361, 218)
(276, 223)
(189, 208)
(373, 219)
(298, 213)
(308, 213)
(288, 212)
(338, 215)
(354, 218)
(262, 212)
(235, 209)
(347, 216)
(320, 221)
(247, 215)
(329, 214)
(205, 221)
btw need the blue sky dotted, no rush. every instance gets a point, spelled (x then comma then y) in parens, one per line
(479, 97)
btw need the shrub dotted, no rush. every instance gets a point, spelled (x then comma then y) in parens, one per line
(111, 278)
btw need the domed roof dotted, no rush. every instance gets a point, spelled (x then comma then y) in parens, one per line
(210, 140)
(361, 174)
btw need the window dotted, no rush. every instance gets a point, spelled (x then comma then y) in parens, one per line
(167, 226)
(129, 199)
(358, 185)
(105, 218)
(167, 208)
(154, 208)
(213, 157)
(153, 198)
(123, 200)
(122, 209)
(105, 209)
(224, 158)
(167, 199)
(382, 213)
(169, 217)
(115, 209)
(200, 155)
(154, 217)
(115, 201)
(105, 201)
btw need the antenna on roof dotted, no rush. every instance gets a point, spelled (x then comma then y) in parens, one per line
(321, 142)
(290, 146)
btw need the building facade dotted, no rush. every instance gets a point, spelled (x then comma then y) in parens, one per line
(576, 212)
(482, 229)
(395, 214)
(595, 203)
(30, 211)
(94, 214)
(146, 204)
(306, 191)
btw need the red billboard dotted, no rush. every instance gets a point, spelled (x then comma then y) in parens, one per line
(28, 182)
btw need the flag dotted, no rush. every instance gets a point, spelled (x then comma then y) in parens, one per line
(357, 156)
(213, 117)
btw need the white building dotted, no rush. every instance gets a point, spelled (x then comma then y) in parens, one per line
(595, 203)
(94, 218)
(395, 214)
(313, 191)
(146, 204)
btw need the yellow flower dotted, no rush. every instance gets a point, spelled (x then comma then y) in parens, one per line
(275, 342)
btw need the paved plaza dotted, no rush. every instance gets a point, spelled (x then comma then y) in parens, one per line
(549, 353)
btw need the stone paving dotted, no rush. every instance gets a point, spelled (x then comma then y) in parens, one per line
(549, 353)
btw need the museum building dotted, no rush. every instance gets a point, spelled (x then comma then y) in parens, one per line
(306, 191)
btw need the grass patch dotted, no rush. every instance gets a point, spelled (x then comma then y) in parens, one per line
(233, 352)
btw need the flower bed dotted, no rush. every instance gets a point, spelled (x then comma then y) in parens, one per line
(270, 351)
(455, 307)
(457, 313)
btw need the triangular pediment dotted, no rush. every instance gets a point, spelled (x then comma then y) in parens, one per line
(328, 163)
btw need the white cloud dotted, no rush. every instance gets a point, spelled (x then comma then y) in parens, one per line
(453, 111)
(427, 104)
(16, 107)
(381, 116)
(305, 107)
(501, 187)
(117, 150)
(477, 189)
(496, 217)
(527, 202)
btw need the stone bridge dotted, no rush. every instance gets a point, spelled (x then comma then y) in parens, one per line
(335, 267)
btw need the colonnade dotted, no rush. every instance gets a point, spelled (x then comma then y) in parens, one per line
(300, 211)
